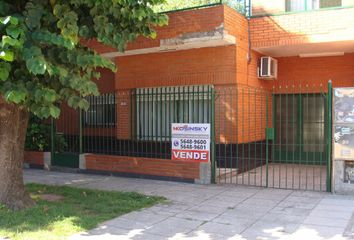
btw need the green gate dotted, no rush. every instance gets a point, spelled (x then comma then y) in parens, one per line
(299, 126)
(281, 137)
(66, 138)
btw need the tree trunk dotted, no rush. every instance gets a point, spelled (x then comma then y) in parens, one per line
(13, 127)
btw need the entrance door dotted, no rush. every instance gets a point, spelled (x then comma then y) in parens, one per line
(299, 122)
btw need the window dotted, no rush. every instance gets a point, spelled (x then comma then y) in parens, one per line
(157, 108)
(102, 111)
(303, 5)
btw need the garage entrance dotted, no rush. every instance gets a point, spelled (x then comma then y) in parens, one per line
(281, 138)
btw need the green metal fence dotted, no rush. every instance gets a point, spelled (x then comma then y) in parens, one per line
(272, 137)
(281, 137)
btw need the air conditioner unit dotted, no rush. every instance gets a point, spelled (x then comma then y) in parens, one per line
(267, 68)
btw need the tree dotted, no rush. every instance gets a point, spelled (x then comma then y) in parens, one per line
(44, 63)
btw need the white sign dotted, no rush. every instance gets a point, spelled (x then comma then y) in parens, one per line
(191, 142)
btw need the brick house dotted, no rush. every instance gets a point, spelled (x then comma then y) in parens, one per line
(268, 132)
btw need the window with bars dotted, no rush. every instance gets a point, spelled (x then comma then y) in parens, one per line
(102, 111)
(157, 108)
(303, 5)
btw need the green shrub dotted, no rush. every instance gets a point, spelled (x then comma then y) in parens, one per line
(38, 135)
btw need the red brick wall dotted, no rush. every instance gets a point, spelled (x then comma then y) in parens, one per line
(315, 72)
(189, 67)
(124, 114)
(106, 82)
(34, 158)
(146, 166)
(216, 66)
(260, 7)
(198, 20)
(300, 28)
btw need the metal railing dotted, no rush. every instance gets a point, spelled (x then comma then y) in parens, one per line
(241, 6)
(298, 6)
(144, 117)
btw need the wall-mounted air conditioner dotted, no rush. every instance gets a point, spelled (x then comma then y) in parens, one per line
(267, 68)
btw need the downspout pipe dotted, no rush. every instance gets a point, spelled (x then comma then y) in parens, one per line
(248, 15)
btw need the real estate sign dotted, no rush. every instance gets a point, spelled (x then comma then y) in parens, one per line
(191, 142)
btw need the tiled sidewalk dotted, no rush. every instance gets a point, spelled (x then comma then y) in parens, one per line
(215, 212)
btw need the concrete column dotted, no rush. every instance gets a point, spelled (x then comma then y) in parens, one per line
(47, 160)
(339, 186)
(204, 173)
(82, 159)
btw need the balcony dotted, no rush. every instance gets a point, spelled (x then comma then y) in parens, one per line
(304, 33)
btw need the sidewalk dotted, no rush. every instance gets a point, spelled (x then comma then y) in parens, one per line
(215, 212)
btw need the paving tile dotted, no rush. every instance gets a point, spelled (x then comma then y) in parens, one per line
(335, 208)
(201, 235)
(309, 194)
(205, 207)
(281, 217)
(240, 214)
(222, 203)
(145, 216)
(260, 202)
(273, 194)
(125, 224)
(215, 212)
(109, 233)
(269, 230)
(197, 215)
(315, 232)
(173, 226)
(299, 199)
(323, 221)
(338, 202)
(291, 210)
(228, 230)
(325, 213)
(295, 204)
(233, 220)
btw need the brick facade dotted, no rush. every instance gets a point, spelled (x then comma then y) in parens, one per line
(144, 166)
(241, 105)
(34, 158)
(302, 28)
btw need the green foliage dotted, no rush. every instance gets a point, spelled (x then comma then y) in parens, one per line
(38, 136)
(43, 58)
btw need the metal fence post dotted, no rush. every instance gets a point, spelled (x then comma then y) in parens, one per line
(213, 154)
(52, 139)
(267, 141)
(80, 132)
(329, 137)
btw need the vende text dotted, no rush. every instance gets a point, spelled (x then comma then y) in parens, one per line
(190, 155)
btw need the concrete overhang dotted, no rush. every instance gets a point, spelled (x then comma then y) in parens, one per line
(216, 38)
(308, 49)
